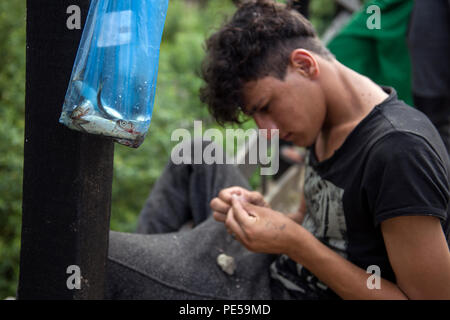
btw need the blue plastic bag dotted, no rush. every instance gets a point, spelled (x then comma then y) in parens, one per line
(112, 86)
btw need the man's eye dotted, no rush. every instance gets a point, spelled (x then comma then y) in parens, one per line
(264, 109)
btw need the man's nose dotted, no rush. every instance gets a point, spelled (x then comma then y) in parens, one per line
(265, 122)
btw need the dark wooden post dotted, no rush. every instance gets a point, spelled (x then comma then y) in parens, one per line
(67, 177)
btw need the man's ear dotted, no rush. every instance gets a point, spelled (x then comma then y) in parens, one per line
(304, 62)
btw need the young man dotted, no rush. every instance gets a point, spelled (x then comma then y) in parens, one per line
(376, 189)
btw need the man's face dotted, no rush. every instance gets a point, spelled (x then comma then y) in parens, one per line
(295, 106)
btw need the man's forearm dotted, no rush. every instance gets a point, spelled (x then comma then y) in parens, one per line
(343, 277)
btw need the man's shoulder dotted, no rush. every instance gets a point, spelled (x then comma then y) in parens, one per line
(408, 124)
(408, 151)
(392, 115)
(402, 117)
(398, 125)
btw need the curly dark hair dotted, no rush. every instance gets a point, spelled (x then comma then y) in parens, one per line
(255, 43)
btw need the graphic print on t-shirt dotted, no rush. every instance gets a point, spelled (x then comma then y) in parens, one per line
(325, 219)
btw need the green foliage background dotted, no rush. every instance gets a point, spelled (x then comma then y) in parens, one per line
(135, 171)
(12, 88)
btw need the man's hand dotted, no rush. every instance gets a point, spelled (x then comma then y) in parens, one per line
(259, 229)
(222, 204)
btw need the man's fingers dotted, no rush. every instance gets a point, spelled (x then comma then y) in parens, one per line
(234, 226)
(242, 216)
(250, 208)
(219, 205)
(257, 198)
(218, 216)
(227, 193)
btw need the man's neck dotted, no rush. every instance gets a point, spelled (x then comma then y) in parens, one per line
(350, 99)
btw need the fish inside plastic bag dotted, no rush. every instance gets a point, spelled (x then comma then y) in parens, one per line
(113, 82)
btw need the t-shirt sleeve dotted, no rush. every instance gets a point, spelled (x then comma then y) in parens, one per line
(405, 176)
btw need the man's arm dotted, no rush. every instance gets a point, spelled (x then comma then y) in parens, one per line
(419, 255)
(265, 230)
(417, 251)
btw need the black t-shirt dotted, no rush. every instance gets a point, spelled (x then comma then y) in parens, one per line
(392, 164)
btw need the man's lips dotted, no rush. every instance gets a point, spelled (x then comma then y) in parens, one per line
(287, 136)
